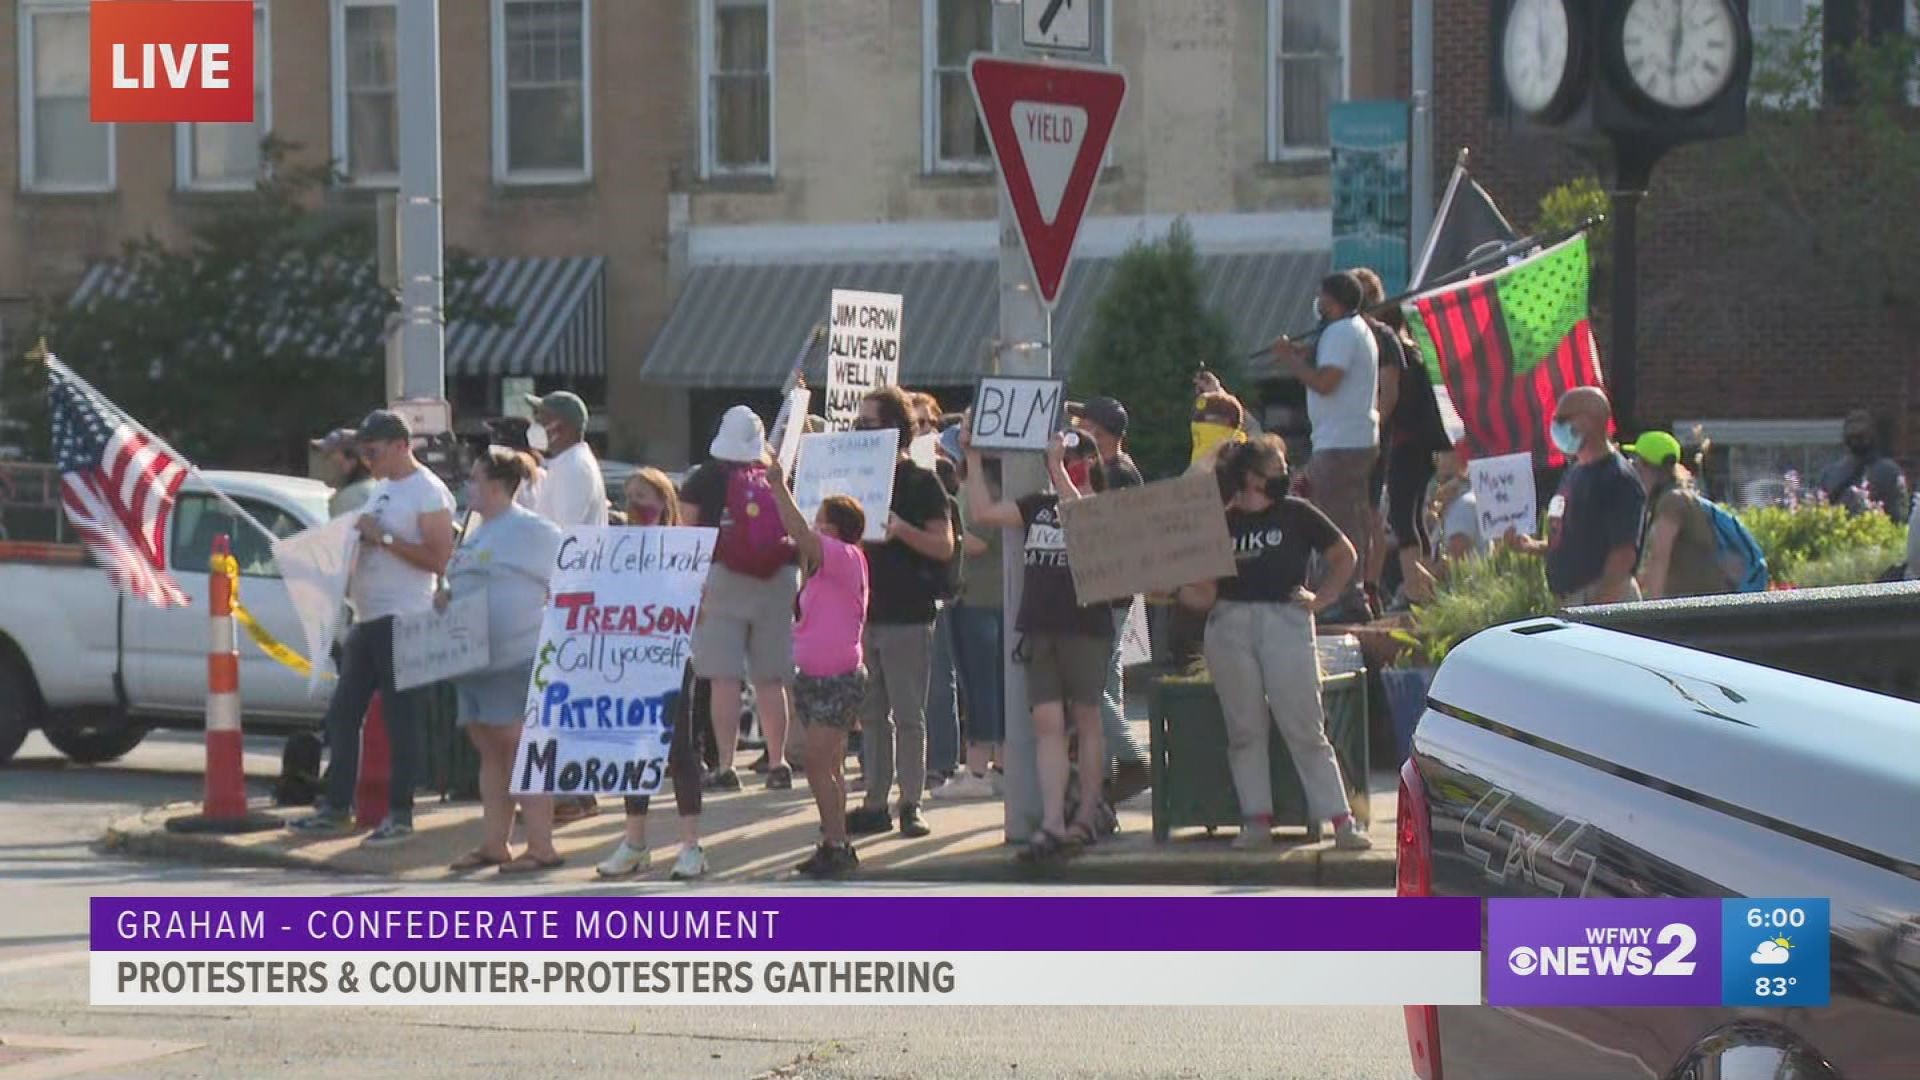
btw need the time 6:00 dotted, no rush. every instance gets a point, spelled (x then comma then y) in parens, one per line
(1777, 918)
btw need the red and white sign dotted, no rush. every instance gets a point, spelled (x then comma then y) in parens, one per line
(171, 61)
(1049, 124)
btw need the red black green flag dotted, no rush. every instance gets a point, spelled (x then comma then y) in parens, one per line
(1507, 345)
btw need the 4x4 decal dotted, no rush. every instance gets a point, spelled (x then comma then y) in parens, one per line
(1483, 832)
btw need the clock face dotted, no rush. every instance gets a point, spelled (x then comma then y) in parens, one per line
(1680, 53)
(1535, 53)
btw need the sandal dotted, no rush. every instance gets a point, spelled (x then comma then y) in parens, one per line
(474, 860)
(1046, 847)
(1082, 834)
(529, 863)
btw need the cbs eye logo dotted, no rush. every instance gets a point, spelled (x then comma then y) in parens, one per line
(1522, 961)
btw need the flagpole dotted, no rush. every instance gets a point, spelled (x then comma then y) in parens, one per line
(1440, 214)
(54, 363)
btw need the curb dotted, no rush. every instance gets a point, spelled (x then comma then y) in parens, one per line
(146, 836)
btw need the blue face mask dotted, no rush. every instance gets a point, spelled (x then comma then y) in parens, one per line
(1566, 437)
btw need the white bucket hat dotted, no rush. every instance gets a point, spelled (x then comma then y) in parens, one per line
(741, 437)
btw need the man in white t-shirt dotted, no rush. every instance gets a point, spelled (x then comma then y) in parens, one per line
(1342, 382)
(406, 538)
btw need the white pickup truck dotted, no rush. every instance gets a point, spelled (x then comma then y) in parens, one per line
(96, 669)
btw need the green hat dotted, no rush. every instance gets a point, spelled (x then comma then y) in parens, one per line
(563, 405)
(1656, 448)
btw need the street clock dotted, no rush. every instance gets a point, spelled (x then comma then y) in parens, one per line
(1679, 55)
(1542, 57)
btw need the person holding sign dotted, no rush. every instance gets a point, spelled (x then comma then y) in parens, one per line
(1260, 640)
(1593, 521)
(507, 558)
(1068, 646)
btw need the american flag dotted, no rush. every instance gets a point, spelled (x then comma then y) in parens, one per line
(117, 483)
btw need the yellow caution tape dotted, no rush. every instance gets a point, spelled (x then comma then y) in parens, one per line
(272, 646)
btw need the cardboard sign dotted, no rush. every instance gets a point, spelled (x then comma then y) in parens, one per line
(314, 565)
(863, 351)
(613, 651)
(435, 646)
(1503, 489)
(787, 429)
(1147, 539)
(859, 464)
(1011, 412)
(1136, 645)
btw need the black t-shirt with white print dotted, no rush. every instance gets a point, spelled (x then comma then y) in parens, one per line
(1271, 550)
(1048, 604)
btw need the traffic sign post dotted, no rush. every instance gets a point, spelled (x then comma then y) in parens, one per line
(1057, 24)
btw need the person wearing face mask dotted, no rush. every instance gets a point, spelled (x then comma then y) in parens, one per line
(1680, 554)
(1865, 478)
(1260, 640)
(1593, 520)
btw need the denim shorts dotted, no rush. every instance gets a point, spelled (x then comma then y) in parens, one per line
(495, 698)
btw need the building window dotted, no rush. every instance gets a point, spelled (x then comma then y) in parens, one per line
(542, 109)
(736, 62)
(61, 149)
(1763, 462)
(226, 157)
(1308, 41)
(955, 139)
(1789, 38)
(366, 90)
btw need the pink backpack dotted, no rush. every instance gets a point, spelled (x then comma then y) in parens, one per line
(752, 539)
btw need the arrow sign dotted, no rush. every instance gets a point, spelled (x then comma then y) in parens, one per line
(1049, 124)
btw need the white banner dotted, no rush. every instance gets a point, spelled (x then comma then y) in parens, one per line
(613, 650)
(863, 351)
(435, 646)
(1504, 493)
(855, 463)
(314, 565)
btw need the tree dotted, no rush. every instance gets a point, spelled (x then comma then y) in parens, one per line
(1152, 331)
(263, 328)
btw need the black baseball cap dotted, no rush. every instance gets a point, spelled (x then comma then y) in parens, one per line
(384, 425)
(1104, 411)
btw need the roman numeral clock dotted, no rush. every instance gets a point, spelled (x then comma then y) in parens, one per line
(1623, 81)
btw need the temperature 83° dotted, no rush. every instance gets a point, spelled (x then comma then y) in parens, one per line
(1774, 986)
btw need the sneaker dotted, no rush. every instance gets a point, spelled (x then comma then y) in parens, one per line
(970, 785)
(1349, 835)
(815, 864)
(691, 864)
(1254, 836)
(389, 833)
(913, 824)
(625, 861)
(722, 780)
(832, 861)
(321, 825)
(780, 779)
(865, 822)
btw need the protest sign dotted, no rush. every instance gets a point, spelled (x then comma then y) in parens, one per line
(787, 429)
(855, 463)
(925, 451)
(1012, 412)
(863, 351)
(613, 649)
(1147, 539)
(314, 566)
(1136, 646)
(434, 646)
(1503, 490)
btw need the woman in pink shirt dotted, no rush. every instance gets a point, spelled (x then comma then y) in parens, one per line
(832, 678)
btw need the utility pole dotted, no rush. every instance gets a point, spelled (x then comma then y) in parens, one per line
(1421, 165)
(416, 354)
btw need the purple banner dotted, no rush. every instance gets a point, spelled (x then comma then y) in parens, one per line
(1603, 952)
(820, 923)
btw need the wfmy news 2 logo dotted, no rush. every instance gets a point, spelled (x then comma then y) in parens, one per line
(1657, 952)
(171, 61)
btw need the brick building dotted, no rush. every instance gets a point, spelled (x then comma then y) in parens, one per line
(1767, 371)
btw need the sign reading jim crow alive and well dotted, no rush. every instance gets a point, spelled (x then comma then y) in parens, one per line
(863, 351)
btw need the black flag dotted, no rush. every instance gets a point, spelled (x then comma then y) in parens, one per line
(1466, 220)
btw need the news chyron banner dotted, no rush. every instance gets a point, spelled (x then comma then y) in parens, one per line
(827, 949)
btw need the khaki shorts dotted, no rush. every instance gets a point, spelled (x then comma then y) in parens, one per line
(1067, 668)
(746, 627)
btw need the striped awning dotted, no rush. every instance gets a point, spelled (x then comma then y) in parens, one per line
(737, 325)
(558, 307)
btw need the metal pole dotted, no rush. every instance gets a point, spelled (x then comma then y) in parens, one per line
(1025, 348)
(422, 336)
(1422, 133)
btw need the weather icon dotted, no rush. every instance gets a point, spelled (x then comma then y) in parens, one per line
(1773, 951)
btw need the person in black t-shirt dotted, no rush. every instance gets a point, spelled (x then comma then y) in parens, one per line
(1416, 434)
(1260, 640)
(1067, 646)
(1593, 520)
(907, 572)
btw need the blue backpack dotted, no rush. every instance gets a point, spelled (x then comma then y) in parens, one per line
(1739, 553)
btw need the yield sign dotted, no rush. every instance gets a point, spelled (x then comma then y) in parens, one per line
(1049, 125)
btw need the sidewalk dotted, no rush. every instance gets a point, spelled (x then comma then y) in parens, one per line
(758, 836)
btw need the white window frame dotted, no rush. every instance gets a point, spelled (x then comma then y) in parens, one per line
(1276, 150)
(183, 133)
(931, 162)
(502, 172)
(709, 168)
(29, 169)
(342, 142)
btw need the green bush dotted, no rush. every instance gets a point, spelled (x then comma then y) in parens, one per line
(1505, 586)
(1858, 566)
(1793, 536)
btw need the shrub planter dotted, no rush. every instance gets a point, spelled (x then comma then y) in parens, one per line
(1405, 689)
(1188, 747)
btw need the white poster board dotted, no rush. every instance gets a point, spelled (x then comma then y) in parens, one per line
(1136, 647)
(787, 428)
(613, 651)
(1503, 489)
(435, 646)
(314, 565)
(855, 463)
(863, 351)
(1013, 412)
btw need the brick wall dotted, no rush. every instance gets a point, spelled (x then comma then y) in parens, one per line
(1765, 348)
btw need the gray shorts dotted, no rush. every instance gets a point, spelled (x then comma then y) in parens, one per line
(493, 698)
(829, 701)
(1064, 668)
(746, 626)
